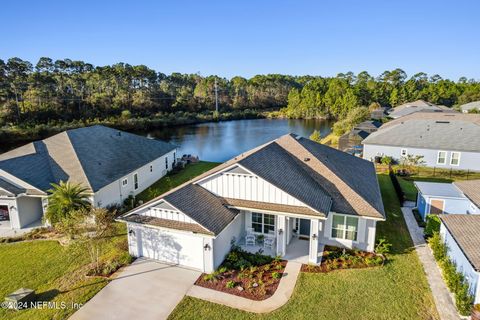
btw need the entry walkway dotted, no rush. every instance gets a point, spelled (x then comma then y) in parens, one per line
(442, 297)
(280, 297)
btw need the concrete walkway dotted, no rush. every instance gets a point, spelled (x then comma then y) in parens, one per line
(280, 297)
(441, 295)
(146, 289)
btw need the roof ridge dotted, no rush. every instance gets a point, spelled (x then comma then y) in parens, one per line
(74, 155)
(301, 152)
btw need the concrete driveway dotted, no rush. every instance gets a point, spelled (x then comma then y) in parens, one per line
(144, 290)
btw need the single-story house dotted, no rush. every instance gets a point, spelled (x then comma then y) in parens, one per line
(111, 164)
(416, 106)
(460, 197)
(379, 113)
(299, 194)
(445, 140)
(469, 107)
(368, 126)
(462, 238)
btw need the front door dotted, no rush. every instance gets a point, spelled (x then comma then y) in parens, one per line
(304, 227)
(4, 215)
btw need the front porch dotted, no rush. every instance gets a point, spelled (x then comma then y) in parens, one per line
(294, 239)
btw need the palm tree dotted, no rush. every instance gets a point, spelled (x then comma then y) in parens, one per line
(64, 199)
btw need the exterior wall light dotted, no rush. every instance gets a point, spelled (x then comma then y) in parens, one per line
(131, 232)
(314, 237)
(280, 231)
(207, 247)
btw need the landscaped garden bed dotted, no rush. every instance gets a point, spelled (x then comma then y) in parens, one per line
(334, 258)
(252, 276)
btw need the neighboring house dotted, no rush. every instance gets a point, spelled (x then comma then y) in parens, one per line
(290, 189)
(380, 113)
(468, 107)
(445, 140)
(368, 126)
(416, 106)
(111, 164)
(462, 197)
(462, 238)
(351, 141)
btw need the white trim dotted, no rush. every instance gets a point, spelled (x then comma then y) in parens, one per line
(148, 226)
(345, 216)
(279, 213)
(135, 174)
(438, 157)
(430, 204)
(459, 157)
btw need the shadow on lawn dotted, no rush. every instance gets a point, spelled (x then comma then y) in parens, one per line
(47, 295)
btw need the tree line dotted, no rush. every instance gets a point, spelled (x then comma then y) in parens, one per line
(68, 90)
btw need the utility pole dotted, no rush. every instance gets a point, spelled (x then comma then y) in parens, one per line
(216, 96)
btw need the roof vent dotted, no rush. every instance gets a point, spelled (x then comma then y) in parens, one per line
(442, 121)
(306, 159)
(119, 133)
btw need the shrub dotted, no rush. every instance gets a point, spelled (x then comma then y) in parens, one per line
(230, 284)
(438, 247)
(464, 300)
(276, 275)
(210, 277)
(433, 225)
(387, 160)
(382, 246)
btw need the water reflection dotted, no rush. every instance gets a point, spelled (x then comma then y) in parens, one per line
(220, 141)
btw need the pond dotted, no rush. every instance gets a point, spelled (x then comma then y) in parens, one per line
(220, 141)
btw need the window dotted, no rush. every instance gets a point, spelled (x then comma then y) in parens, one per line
(403, 152)
(442, 157)
(455, 159)
(135, 181)
(345, 227)
(151, 168)
(166, 163)
(124, 182)
(262, 223)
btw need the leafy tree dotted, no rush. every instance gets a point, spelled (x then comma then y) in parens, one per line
(315, 136)
(64, 200)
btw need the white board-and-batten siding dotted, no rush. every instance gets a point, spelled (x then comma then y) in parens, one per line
(247, 187)
(165, 211)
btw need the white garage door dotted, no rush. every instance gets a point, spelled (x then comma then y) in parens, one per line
(172, 247)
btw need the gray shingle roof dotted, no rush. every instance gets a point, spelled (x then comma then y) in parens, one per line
(328, 180)
(278, 167)
(356, 173)
(416, 106)
(10, 188)
(434, 131)
(202, 206)
(464, 229)
(93, 156)
(471, 189)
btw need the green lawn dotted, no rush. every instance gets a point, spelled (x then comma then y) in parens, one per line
(409, 188)
(399, 290)
(175, 179)
(55, 272)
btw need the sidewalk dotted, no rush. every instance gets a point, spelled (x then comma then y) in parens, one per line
(442, 297)
(279, 298)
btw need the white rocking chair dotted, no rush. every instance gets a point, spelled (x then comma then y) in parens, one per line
(269, 242)
(250, 240)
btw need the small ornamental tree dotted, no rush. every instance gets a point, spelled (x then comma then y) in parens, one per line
(315, 136)
(64, 199)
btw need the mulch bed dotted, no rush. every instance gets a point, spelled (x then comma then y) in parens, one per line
(334, 258)
(246, 283)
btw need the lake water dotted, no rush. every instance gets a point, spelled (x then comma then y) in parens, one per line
(220, 141)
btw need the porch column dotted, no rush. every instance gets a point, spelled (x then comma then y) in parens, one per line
(314, 235)
(281, 235)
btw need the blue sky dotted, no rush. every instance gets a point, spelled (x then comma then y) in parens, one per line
(250, 37)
